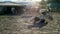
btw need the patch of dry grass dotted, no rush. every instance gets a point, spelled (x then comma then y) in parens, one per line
(18, 25)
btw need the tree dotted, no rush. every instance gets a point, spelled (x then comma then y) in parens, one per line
(54, 4)
(53, 1)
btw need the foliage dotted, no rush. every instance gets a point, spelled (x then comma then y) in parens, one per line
(53, 1)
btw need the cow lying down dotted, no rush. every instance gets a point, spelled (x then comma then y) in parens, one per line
(38, 23)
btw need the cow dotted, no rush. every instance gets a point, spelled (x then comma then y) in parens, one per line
(38, 22)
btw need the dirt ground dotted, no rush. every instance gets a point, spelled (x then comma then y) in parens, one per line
(18, 25)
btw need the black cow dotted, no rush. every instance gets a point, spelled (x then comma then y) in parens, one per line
(38, 23)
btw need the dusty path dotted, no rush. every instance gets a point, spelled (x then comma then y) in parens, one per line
(18, 25)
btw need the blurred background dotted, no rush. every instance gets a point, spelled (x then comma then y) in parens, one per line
(16, 15)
